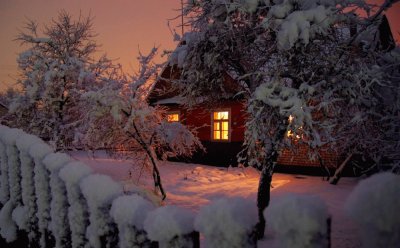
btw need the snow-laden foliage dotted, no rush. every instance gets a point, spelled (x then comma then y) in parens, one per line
(374, 205)
(99, 192)
(57, 68)
(168, 224)
(129, 213)
(42, 188)
(59, 202)
(24, 143)
(299, 221)
(4, 187)
(228, 222)
(313, 74)
(123, 120)
(78, 215)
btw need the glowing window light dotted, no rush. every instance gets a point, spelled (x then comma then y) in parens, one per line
(221, 125)
(173, 117)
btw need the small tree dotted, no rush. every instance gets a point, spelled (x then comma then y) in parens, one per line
(302, 73)
(122, 120)
(55, 71)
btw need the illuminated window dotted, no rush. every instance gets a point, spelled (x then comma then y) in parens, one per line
(220, 125)
(173, 117)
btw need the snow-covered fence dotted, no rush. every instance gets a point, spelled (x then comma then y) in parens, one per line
(78, 213)
(46, 195)
(171, 227)
(129, 212)
(374, 204)
(100, 191)
(300, 221)
(228, 223)
(59, 224)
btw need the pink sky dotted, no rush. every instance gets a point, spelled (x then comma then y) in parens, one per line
(123, 26)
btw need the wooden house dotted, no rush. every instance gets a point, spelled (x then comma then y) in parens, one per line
(221, 126)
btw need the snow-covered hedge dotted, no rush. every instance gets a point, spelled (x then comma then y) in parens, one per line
(170, 226)
(374, 204)
(129, 213)
(228, 223)
(299, 221)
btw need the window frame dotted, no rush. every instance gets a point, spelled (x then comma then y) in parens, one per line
(220, 121)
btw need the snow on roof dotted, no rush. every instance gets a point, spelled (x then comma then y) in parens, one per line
(172, 100)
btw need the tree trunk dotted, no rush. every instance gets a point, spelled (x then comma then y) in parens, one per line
(335, 179)
(263, 199)
(264, 186)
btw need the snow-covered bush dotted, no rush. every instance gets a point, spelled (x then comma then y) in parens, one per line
(299, 221)
(4, 187)
(59, 203)
(24, 142)
(100, 191)
(170, 226)
(374, 204)
(129, 213)
(78, 215)
(7, 222)
(228, 222)
(42, 189)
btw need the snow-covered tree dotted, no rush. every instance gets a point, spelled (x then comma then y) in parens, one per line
(303, 72)
(123, 120)
(57, 68)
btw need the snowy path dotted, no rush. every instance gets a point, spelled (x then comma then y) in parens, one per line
(193, 186)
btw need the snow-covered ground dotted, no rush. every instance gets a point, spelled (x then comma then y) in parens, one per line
(192, 186)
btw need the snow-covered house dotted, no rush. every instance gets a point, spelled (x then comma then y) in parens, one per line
(221, 126)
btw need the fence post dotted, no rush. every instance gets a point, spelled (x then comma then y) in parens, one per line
(78, 215)
(27, 186)
(299, 221)
(129, 213)
(228, 223)
(171, 226)
(99, 192)
(42, 191)
(58, 224)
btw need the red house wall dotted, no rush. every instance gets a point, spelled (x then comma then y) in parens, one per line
(201, 117)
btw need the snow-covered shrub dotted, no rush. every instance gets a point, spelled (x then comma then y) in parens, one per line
(171, 226)
(8, 226)
(100, 191)
(29, 223)
(228, 222)
(299, 221)
(4, 187)
(42, 188)
(59, 203)
(374, 204)
(129, 213)
(78, 215)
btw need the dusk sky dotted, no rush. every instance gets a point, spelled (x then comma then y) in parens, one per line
(123, 27)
